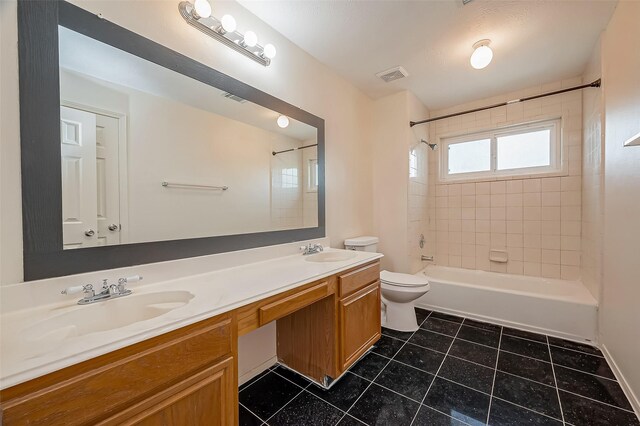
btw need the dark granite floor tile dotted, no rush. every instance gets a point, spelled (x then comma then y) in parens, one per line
(507, 414)
(581, 411)
(528, 394)
(475, 353)
(379, 406)
(483, 325)
(441, 326)
(461, 403)
(344, 393)
(421, 315)
(402, 335)
(581, 361)
(447, 317)
(306, 409)
(467, 373)
(387, 346)
(529, 368)
(435, 341)
(480, 336)
(581, 347)
(430, 417)
(524, 334)
(246, 418)
(253, 379)
(419, 357)
(601, 389)
(350, 421)
(292, 376)
(268, 395)
(525, 347)
(369, 366)
(405, 380)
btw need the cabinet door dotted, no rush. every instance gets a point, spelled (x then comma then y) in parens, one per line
(206, 398)
(359, 323)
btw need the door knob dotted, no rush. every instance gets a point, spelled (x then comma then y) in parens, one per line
(89, 232)
(112, 227)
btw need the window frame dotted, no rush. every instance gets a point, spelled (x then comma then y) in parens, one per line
(556, 166)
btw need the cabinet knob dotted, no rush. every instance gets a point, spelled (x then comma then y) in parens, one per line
(89, 232)
(112, 227)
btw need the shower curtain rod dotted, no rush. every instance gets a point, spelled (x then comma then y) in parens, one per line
(514, 101)
(293, 149)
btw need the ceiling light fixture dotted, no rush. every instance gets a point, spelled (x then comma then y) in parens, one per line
(198, 15)
(283, 121)
(482, 54)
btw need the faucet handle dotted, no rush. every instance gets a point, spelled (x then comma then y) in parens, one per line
(77, 289)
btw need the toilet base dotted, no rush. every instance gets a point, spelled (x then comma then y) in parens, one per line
(399, 316)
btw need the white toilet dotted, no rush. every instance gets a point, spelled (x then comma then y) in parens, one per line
(399, 291)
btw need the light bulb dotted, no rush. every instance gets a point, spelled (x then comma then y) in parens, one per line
(269, 51)
(250, 39)
(228, 23)
(202, 8)
(482, 55)
(283, 121)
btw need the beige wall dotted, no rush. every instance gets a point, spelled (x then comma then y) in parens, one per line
(293, 76)
(592, 177)
(620, 311)
(536, 220)
(400, 209)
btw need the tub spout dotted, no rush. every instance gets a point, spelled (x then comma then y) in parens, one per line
(426, 258)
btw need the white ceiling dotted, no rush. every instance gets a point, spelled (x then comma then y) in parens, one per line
(534, 42)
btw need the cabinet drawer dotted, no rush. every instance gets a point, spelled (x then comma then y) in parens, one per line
(103, 386)
(355, 280)
(292, 303)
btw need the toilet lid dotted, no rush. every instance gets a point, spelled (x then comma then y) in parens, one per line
(403, 280)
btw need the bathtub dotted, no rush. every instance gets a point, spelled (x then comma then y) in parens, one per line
(559, 308)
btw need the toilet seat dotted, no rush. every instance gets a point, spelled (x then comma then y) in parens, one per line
(397, 279)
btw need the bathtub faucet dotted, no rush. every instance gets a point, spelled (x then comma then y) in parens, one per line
(426, 258)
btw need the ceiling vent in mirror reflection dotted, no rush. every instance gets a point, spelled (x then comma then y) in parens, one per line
(199, 15)
(234, 97)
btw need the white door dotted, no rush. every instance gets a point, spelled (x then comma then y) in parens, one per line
(108, 207)
(78, 146)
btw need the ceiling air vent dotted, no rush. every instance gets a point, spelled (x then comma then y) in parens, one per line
(466, 2)
(234, 97)
(393, 74)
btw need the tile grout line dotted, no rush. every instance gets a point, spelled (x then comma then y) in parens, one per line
(436, 374)
(380, 372)
(245, 407)
(495, 373)
(553, 370)
(525, 408)
(281, 408)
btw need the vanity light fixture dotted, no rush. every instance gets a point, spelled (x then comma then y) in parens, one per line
(283, 121)
(482, 54)
(198, 15)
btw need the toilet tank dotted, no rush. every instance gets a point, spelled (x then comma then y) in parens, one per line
(362, 244)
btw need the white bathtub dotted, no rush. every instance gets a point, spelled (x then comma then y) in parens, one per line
(556, 307)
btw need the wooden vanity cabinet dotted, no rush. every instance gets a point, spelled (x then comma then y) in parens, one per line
(187, 376)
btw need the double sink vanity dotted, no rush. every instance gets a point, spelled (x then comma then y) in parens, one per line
(170, 349)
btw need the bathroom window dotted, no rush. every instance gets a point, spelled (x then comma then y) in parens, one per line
(413, 163)
(312, 172)
(527, 149)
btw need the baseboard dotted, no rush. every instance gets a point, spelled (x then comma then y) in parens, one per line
(512, 324)
(631, 396)
(257, 370)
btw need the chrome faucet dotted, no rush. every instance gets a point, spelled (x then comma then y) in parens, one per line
(426, 258)
(311, 249)
(109, 291)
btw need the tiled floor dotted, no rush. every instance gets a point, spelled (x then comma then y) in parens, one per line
(452, 371)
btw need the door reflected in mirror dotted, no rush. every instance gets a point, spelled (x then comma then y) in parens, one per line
(149, 154)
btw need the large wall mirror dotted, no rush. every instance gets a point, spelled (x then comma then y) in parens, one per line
(158, 157)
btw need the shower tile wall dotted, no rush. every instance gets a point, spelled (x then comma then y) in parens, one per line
(537, 220)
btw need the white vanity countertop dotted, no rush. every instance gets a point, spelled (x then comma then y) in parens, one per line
(25, 354)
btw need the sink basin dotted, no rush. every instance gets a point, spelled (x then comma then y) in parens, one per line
(107, 315)
(331, 256)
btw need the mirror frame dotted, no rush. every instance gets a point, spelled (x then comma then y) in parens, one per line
(39, 87)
